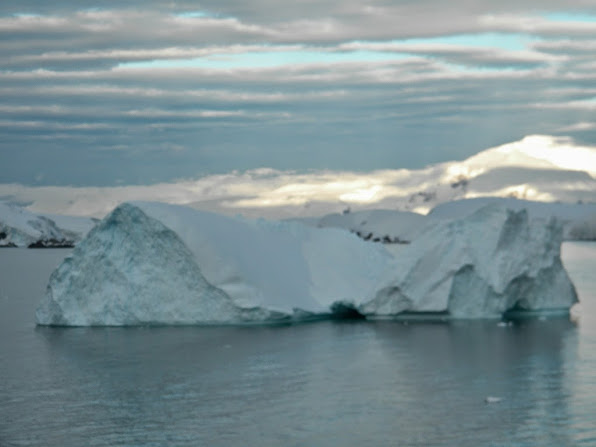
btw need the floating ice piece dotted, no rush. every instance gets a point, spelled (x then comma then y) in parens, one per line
(152, 263)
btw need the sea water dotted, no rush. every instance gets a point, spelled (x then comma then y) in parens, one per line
(329, 383)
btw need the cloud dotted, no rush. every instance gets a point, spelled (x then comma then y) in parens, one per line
(566, 46)
(340, 85)
(578, 127)
(539, 26)
(467, 55)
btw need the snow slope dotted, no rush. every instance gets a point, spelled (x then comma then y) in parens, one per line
(151, 263)
(22, 228)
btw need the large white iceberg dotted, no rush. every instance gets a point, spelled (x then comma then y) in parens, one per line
(150, 263)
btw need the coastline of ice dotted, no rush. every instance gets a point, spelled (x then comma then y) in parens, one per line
(153, 263)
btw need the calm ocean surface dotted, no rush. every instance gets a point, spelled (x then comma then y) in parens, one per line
(317, 384)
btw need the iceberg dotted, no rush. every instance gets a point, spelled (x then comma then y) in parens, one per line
(154, 263)
(150, 263)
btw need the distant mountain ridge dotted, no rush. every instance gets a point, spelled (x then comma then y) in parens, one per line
(537, 168)
(20, 227)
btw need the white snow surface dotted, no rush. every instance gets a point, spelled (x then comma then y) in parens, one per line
(153, 263)
(20, 227)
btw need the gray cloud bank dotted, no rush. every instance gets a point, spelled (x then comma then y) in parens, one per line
(384, 92)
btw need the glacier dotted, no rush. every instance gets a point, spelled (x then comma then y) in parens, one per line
(155, 263)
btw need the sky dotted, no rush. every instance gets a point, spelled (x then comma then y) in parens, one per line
(98, 94)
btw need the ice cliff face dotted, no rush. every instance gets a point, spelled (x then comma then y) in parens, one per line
(150, 263)
(131, 270)
(480, 266)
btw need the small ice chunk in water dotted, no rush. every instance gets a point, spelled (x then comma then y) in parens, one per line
(492, 399)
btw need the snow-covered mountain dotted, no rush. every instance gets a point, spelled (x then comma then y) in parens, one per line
(22, 228)
(152, 263)
(538, 168)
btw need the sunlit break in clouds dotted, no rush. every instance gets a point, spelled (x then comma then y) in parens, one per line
(129, 94)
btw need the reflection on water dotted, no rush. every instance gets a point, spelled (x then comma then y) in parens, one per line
(325, 384)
